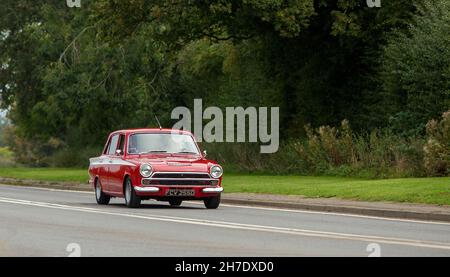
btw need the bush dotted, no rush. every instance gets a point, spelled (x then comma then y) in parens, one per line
(73, 157)
(338, 151)
(43, 153)
(30, 151)
(330, 151)
(6, 157)
(325, 150)
(437, 147)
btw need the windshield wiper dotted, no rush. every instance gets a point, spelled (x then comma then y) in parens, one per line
(186, 152)
(153, 151)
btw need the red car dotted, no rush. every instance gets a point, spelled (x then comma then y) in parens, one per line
(161, 164)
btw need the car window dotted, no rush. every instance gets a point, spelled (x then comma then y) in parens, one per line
(161, 143)
(107, 147)
(113, 145)
(121, 143)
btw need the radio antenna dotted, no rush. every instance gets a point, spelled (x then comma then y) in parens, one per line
(157, 120)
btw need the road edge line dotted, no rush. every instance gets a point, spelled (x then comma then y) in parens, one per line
(382, 213)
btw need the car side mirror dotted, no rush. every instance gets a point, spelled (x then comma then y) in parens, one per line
(205, 153)
(118, 152)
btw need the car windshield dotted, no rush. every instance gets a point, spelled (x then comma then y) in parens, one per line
(161, 143)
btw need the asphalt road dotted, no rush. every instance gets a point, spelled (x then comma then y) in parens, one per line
(42, 222)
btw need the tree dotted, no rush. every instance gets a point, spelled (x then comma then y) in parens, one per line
(73, 75)
(415, 69)
(62, 83)
(319, 54)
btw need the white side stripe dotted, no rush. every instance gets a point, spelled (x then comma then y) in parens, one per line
(108, 161)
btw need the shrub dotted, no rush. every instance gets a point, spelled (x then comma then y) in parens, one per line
(30, 151)
(73, 157)
(43, 153)
(437, 147)
(324, 151)
(329, 151)
(6, 157)
(339, 151)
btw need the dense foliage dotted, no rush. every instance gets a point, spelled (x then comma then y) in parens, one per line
(70, 76)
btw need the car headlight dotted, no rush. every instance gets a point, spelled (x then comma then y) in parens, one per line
(216, 171)
(146, 170)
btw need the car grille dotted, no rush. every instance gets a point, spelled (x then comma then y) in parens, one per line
(181, 175)
(180, 179)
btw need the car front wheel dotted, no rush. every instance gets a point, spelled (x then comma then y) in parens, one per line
(212, 202)
(100, 196)
(131, 199)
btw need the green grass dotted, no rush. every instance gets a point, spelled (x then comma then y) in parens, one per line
(413, 190)
(46, 174)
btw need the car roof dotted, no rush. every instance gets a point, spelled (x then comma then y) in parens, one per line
(153, 130)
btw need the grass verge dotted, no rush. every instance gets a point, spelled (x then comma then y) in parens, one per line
(412, 190)
(46, 174)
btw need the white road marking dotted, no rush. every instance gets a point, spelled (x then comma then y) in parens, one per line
(277, 209)
(62, 190)
(240, 226)
(329, 213)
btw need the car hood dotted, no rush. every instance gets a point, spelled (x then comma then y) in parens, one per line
(175, 163)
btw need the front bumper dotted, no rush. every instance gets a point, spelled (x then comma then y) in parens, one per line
(146, 189)
(158, 192)
(213, 190)
(157, 185)
(153, 189)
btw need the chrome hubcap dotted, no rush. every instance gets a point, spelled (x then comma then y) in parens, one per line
(97, 190)
(128, 192)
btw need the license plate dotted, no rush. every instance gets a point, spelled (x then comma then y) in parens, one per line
(180, 192)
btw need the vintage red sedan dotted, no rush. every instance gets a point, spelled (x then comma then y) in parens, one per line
(161, 164)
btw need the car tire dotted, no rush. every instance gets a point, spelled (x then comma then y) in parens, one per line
(131, 199)
(101, 197)
(212, 202)
(175, 202)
